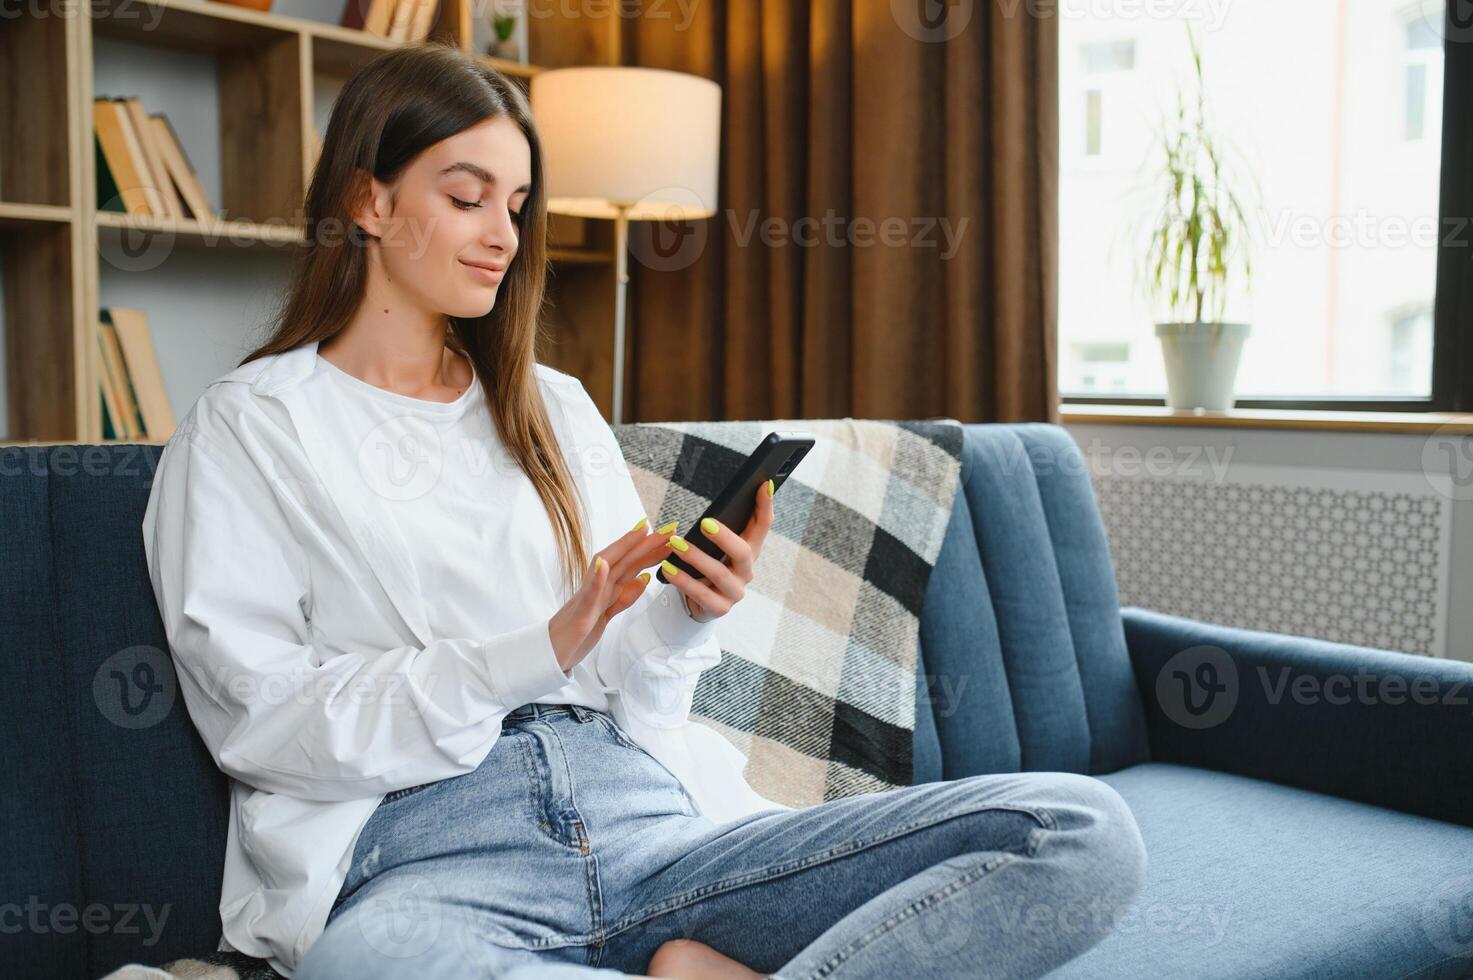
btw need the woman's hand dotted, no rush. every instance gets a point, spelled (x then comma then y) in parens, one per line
(724, 584)
(612, 584)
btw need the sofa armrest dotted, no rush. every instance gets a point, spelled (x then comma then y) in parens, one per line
(1393, 729)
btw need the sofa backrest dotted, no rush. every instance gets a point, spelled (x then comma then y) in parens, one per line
(116, 815)
(1021, 638)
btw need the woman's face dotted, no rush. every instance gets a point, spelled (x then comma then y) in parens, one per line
(449, 227)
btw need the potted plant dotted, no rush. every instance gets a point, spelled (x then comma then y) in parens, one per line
(504, 47)
(1199, 244)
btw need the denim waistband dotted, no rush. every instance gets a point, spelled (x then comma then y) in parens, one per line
(535, 709)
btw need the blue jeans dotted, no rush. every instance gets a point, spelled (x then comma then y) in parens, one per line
(571, 853)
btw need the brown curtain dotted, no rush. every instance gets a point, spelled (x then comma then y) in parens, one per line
(925, 158)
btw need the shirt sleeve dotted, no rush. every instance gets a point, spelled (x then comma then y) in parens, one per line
(653, 653)
(278, 711)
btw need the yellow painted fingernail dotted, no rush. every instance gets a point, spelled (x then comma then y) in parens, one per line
(679, 543)
(598, 563)
(667, 528)
(770, 489)
(644, 578)
(639, 523)
(709, 525)
(670, 570)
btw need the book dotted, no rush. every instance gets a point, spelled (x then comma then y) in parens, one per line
(109, 431)
(141, 364)
(423, 19)
(377, 16)
(403, 14)
(140, 160)
(108, 198)
(179, 168)
(173, 207)
(117, 393)
(355, 14)
(124, 160)
(112, 413)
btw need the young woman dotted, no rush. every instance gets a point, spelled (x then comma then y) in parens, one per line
(459, 741)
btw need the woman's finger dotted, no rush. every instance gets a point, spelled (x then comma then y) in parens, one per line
(627, 595)
(712, 599)
(728, 581)
(736, 547)
(643, 550)
(589, 598)
(755, 533)
(602, 598)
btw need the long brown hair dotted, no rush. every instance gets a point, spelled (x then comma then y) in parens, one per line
(392, 109)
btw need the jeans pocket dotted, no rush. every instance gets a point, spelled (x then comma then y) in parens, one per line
(612, 727)
(620, 736)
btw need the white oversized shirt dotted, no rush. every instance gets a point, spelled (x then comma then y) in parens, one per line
(356, 587)
(484, 549)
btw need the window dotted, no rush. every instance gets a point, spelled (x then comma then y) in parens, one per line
(1409, 352)
(1337, 111)
(1105, 67)
(1094, 121)
(1104, 366)
(1423, 76)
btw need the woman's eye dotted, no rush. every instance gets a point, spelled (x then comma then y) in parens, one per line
(516, 216)
(465, 205)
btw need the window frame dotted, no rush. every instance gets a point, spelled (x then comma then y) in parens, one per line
(1452, 303)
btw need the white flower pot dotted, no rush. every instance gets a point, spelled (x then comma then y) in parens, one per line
(1201, 363)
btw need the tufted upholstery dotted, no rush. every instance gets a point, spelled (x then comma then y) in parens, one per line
(1021, 630)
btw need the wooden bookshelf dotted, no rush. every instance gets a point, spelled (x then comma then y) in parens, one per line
(54, 239)
(30, 215)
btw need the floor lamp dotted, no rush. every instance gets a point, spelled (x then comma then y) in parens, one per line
(630, 144)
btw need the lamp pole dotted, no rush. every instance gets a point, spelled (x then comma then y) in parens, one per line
(621, 281)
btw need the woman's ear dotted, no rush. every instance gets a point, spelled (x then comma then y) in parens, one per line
(369, 202)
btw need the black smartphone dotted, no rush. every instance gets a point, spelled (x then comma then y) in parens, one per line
(773, 459)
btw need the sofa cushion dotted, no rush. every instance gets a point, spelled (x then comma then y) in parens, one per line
(115, 813)
(1253, 879)
(925, 744)
(39, 863)
(154, 807)
(1021, 626)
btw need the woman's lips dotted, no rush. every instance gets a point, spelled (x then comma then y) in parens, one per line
(489, 276)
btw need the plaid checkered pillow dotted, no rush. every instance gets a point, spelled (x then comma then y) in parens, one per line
(817, 685)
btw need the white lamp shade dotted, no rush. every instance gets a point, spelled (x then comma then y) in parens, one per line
(645, 138)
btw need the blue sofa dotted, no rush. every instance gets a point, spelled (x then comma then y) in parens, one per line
(1293, 831)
